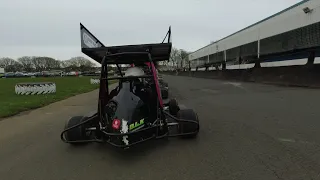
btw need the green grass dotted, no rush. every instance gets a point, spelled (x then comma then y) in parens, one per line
(11, 103)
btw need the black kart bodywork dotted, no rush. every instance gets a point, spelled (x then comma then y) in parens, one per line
(134, 111)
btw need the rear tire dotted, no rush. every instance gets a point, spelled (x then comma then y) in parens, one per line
(165, 93)
(188, 127)
(78, 133)
(165, 84)
(173, 107)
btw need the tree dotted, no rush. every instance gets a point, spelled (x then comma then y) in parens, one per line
(4, 62)
(44, 63)
(174, 56)
(38, 63)
(26, 63)
(184, 58)
(10, 65)
(51, 64)
(179, 58)
(78, 64)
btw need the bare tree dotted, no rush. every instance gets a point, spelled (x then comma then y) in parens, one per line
(50, 63)
(175, 56)
(26, 63)
(183, 58)
(4, 62)
(38, 63)
(10, 65)
(78, 63)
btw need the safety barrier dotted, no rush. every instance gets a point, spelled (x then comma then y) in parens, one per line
(302, 76)
(95, 81)
(35, 88)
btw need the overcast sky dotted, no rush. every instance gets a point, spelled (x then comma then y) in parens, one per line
(51, 27)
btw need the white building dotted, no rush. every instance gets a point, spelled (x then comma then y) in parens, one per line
(1, 70)
(287, 35)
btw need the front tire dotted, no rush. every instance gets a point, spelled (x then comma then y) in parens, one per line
(188, 127)
(165, 84)
(173, 107)
(77, 133)
(165, 93)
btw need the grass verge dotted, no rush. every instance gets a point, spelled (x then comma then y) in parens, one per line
(11, 103)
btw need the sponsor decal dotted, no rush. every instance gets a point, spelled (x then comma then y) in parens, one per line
(136, 124)
(88, 41)
(124, 129)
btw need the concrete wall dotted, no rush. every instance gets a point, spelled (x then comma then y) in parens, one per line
(290, 76)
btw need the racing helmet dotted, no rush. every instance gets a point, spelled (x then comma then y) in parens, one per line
(134, 71)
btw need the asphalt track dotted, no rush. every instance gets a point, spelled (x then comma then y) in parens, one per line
(248, 131)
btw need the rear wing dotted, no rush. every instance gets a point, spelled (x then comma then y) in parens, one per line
(88, 40)
(125, 54)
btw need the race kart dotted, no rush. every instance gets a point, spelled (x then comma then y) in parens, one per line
(133, 112)
(164, 87)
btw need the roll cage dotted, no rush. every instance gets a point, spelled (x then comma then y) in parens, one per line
(126, 54)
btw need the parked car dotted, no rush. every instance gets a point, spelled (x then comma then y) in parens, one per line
(19, 74)
(9, 74)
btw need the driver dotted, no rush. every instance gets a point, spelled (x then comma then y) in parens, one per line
(139, 87)
(137, 83)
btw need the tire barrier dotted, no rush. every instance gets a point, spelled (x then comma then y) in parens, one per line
(35, 88)
(95, 81)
